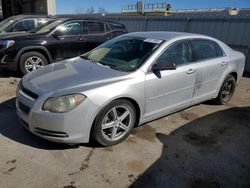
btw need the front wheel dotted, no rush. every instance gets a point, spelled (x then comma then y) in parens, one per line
(114, 123)
(226, 91)
(31, 61)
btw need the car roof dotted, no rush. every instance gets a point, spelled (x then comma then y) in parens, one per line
(21, 16)
(85, 18)
(164, 35)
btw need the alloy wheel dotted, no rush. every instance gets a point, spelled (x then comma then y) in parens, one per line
(116, 123)
(33, 63)
(227, 90)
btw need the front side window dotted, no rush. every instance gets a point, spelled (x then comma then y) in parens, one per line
(205, 49)
(123, 53)
(24, 25)
(178, 54)
(72, 28)
(95, 27)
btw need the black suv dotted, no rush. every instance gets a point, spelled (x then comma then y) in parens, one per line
(61, 39)
(23, 23)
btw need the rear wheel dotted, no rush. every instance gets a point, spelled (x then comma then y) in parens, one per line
(31, 61)
(226, 91)
(114, 123)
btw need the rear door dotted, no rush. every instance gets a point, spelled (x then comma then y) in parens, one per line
(211, 64)
(96, 34)
(170, 90)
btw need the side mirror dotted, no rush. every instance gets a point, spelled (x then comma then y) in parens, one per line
(163, 65)
(57, 33)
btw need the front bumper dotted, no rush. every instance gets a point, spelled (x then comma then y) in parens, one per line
(72, 127)
(8, 61)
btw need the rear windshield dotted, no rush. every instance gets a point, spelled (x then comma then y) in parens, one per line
(124, 53)
(6, 23)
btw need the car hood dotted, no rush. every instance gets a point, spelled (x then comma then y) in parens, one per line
(74, 74)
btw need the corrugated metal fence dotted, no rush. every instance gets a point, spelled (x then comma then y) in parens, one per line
(233, 30)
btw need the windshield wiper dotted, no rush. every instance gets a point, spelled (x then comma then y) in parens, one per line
(87, 58)
(115, 67)
(84, 57)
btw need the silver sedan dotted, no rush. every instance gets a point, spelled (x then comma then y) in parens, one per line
(125, 82)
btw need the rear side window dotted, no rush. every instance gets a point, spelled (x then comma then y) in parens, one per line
(24, 25)
(205, 49)
(95, 27)
(114, 26)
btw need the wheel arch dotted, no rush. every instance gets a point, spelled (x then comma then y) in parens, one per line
(40, 49)
(234, 74)
(134, 103)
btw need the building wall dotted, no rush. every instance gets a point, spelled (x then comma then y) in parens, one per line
(15, 7)
(233, 30)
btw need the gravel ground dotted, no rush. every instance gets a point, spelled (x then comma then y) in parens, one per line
(204, 146)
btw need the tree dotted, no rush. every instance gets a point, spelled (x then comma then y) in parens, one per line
(79, 10)
(102, 10)
(90, 10)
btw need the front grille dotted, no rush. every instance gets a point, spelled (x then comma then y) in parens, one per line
(23, 107)
(29, 93)
(51, 133)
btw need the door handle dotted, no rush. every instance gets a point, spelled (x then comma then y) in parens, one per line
(191, 71)
(223, 63)
(82, 39)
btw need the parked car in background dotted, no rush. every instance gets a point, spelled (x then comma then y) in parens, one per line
(21, 23)
(61, 39)
(126, 81)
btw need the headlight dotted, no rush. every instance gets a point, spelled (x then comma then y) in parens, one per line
(7, 43)
(63, 103)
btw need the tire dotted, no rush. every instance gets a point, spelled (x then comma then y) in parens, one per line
(114, 123)
(29, 60)
(226, 91)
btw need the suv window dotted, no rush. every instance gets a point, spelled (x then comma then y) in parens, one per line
(95, 27)
(24, 25)
(114, 26)
(71, 28)
(178, 53)
(205, 49)
(41, 22)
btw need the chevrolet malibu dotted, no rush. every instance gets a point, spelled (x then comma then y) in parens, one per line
(124, 82)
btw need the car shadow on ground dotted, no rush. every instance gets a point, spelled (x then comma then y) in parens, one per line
(210, 152)
(8, 74)
(12, 129)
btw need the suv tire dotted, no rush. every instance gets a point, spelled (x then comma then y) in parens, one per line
(30, 61)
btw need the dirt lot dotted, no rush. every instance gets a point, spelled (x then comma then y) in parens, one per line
(204, 146)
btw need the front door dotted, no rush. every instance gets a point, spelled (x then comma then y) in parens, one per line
(71, 41)
(170, 90)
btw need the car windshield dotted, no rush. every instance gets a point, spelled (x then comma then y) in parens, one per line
(48, 27)
(6, 23)
(126, 53)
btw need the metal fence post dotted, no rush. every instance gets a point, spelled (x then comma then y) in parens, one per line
(145, 24)
(187, 24)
